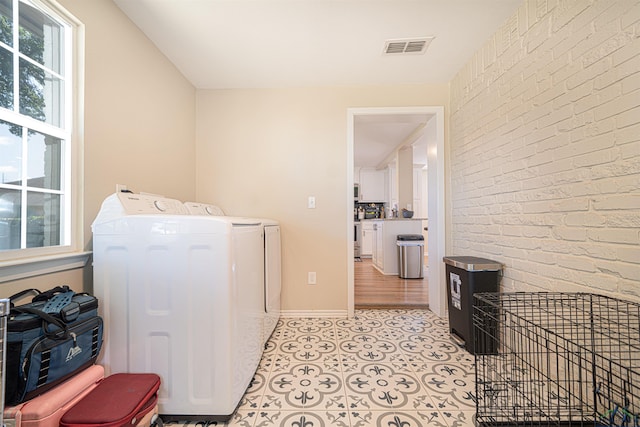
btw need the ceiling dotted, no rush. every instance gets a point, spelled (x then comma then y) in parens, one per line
(225, 44)
(377, 137)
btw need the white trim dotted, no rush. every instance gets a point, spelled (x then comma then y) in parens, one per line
(24, 268)
(313, 314)
(72, 185)
(350, 206)
(436, 208)
(436, 246)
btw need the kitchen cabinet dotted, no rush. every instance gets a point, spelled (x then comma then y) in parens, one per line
(419, 205)
(393, 187)
(366, 242)
(378, 244)
(372, 185)
(419, 190)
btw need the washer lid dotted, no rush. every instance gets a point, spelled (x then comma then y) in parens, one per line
(472, 263)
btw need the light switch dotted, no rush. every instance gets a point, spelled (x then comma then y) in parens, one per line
(311, 204)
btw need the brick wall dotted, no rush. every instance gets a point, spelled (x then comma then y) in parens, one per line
(545, 148)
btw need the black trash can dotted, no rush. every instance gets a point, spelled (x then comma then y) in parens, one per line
(410, 256)
(467, 275)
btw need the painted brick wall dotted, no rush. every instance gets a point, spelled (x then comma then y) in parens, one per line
(545, 148)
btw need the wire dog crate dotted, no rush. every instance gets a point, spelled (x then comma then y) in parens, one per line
(556, 359)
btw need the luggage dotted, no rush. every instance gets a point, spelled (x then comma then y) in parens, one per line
(120, 400)
(49, 340)
(47, 409)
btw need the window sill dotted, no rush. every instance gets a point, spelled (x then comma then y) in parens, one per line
(21, 269)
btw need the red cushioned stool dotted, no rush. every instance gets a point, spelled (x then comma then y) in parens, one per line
(120, 400)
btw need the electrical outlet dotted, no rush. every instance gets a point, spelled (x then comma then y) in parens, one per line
(311, 279)
(120, 188)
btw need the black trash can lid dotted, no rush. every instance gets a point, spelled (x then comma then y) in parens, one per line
(410, 237)
(472, 263)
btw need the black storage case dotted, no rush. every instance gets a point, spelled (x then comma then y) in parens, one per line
(46, 346)
(467, 275)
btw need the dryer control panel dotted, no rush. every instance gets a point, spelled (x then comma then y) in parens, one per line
(195, 208)
(151, 204)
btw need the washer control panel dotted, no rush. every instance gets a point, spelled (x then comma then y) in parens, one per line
(151, 204)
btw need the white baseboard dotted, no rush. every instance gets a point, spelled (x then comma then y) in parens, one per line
(313, 313)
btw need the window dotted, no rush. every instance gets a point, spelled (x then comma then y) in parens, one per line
(39, 143)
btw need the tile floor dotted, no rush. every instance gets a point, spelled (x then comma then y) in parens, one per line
(391, 368)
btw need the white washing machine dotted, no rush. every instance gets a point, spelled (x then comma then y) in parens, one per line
(181, 296)
(272, 263)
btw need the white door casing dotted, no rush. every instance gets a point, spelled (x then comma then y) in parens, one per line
(435, 206)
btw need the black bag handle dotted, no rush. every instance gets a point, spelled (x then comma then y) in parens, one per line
(46, 295)
(48, 319)
(40, 296)
(21, 294)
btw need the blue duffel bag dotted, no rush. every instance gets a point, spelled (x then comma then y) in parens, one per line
(50, 339)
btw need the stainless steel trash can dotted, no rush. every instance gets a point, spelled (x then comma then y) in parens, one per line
(410, 256)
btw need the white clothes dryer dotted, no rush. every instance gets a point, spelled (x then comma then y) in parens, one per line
(181, 296)
(272, 275)
(272, 263)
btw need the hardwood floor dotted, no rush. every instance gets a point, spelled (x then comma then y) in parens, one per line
(376, 290)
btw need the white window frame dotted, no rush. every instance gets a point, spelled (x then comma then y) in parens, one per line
(21, 263)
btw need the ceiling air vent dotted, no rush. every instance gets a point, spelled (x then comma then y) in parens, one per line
(407, 46)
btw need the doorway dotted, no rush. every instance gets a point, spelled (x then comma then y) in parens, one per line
(435, 207)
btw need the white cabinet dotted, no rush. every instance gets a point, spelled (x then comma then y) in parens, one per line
(374, 245)
(418, 185)
(378, 244)
(366, 243)
(418, 190)
(372, 185)
(393, 187)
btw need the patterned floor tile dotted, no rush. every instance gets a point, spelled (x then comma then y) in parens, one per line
(242, 418)
(453, 389)
(368, 348)
(360, 323)
(305, 386)
(377, 386)
(302, 419)
(430, 349)
(460, 419)
(396, 419)
(307, 348)
(387, 368)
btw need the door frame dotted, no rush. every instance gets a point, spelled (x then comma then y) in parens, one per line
(436, 207)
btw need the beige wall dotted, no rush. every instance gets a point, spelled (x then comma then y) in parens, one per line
(75, 278)
(139, 111)
(545, 149)
(262, 153)
(139, 121)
